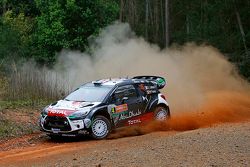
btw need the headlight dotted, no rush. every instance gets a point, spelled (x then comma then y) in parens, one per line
(44, 112)
(78, 114)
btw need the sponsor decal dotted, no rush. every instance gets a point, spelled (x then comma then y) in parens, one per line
(121, 108)
(129, 115)
(135, 121)
(59, 112)
(77, 121)
(55, 130)
(113, 110)
(140, 119)
(150, 87)
(151, 91)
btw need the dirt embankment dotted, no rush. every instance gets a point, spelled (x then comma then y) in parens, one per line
(222, 145)
(18, 122)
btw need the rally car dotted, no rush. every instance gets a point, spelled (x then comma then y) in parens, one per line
(98, 107)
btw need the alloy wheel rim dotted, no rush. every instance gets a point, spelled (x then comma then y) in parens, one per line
(161, 115)
(99, 128)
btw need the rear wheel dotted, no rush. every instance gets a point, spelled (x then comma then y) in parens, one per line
(161, 113)
(100, 128)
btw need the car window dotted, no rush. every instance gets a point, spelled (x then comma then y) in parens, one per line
(89, 93)
(128, 91)
(124, 91)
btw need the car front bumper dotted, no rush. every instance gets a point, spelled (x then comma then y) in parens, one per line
(64, 126)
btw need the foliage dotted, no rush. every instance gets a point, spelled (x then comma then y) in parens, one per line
(69, 23)
(28, 7)
(15, 37)
(3, 86)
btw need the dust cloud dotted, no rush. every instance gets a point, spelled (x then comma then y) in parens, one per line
(203, 87)
(220, 107)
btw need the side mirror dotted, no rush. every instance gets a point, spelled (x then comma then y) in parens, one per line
(124, 99)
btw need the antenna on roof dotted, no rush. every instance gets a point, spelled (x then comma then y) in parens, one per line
(110, 78)
(127, 77)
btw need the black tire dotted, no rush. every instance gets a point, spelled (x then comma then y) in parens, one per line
(161, 113)
(100, 127)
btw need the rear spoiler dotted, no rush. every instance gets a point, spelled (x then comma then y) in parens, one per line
(160, 81)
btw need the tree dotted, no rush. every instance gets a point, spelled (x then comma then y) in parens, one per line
(167, 22)
(146, 18)
(69, 24)
(15, 36)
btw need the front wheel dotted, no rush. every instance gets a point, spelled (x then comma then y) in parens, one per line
(100, 128)
(161, 113)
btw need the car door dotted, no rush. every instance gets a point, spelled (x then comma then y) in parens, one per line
(128, 104)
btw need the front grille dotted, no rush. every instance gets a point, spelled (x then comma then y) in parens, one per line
(57, 122)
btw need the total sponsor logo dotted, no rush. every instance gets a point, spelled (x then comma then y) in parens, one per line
(140, 119)
(135, 121)
(59, 112)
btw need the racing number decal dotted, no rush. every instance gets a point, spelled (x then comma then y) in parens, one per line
(121, 108)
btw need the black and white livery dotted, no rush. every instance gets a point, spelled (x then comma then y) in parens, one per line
(98, 107)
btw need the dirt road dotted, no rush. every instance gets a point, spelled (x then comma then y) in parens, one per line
(221, 145)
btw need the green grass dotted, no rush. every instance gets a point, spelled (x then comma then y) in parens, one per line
(11, 129)
(23, 104)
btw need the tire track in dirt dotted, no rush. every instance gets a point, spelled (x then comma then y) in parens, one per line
(42, 149)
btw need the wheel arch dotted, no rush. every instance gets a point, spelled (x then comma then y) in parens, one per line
(103, 113)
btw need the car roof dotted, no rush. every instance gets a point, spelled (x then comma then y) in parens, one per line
(118, 81)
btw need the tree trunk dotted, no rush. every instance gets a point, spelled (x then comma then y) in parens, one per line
(162, 23)
(167, 23)
(242, 31)
(187, 23)
(121, 10)
(4, 7)
(146, 19)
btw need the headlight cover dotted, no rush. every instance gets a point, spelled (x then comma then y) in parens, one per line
(44, 112)
(79, 114)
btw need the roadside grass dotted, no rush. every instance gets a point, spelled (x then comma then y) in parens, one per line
(10, 129)
(32, 85)
(24, 104)
(18, 118)
(24, 92)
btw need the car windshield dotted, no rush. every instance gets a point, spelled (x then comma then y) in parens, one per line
(89, 93)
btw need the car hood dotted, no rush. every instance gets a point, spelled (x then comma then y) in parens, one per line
(66, 108)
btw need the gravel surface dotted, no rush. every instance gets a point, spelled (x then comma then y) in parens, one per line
(221, 145)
